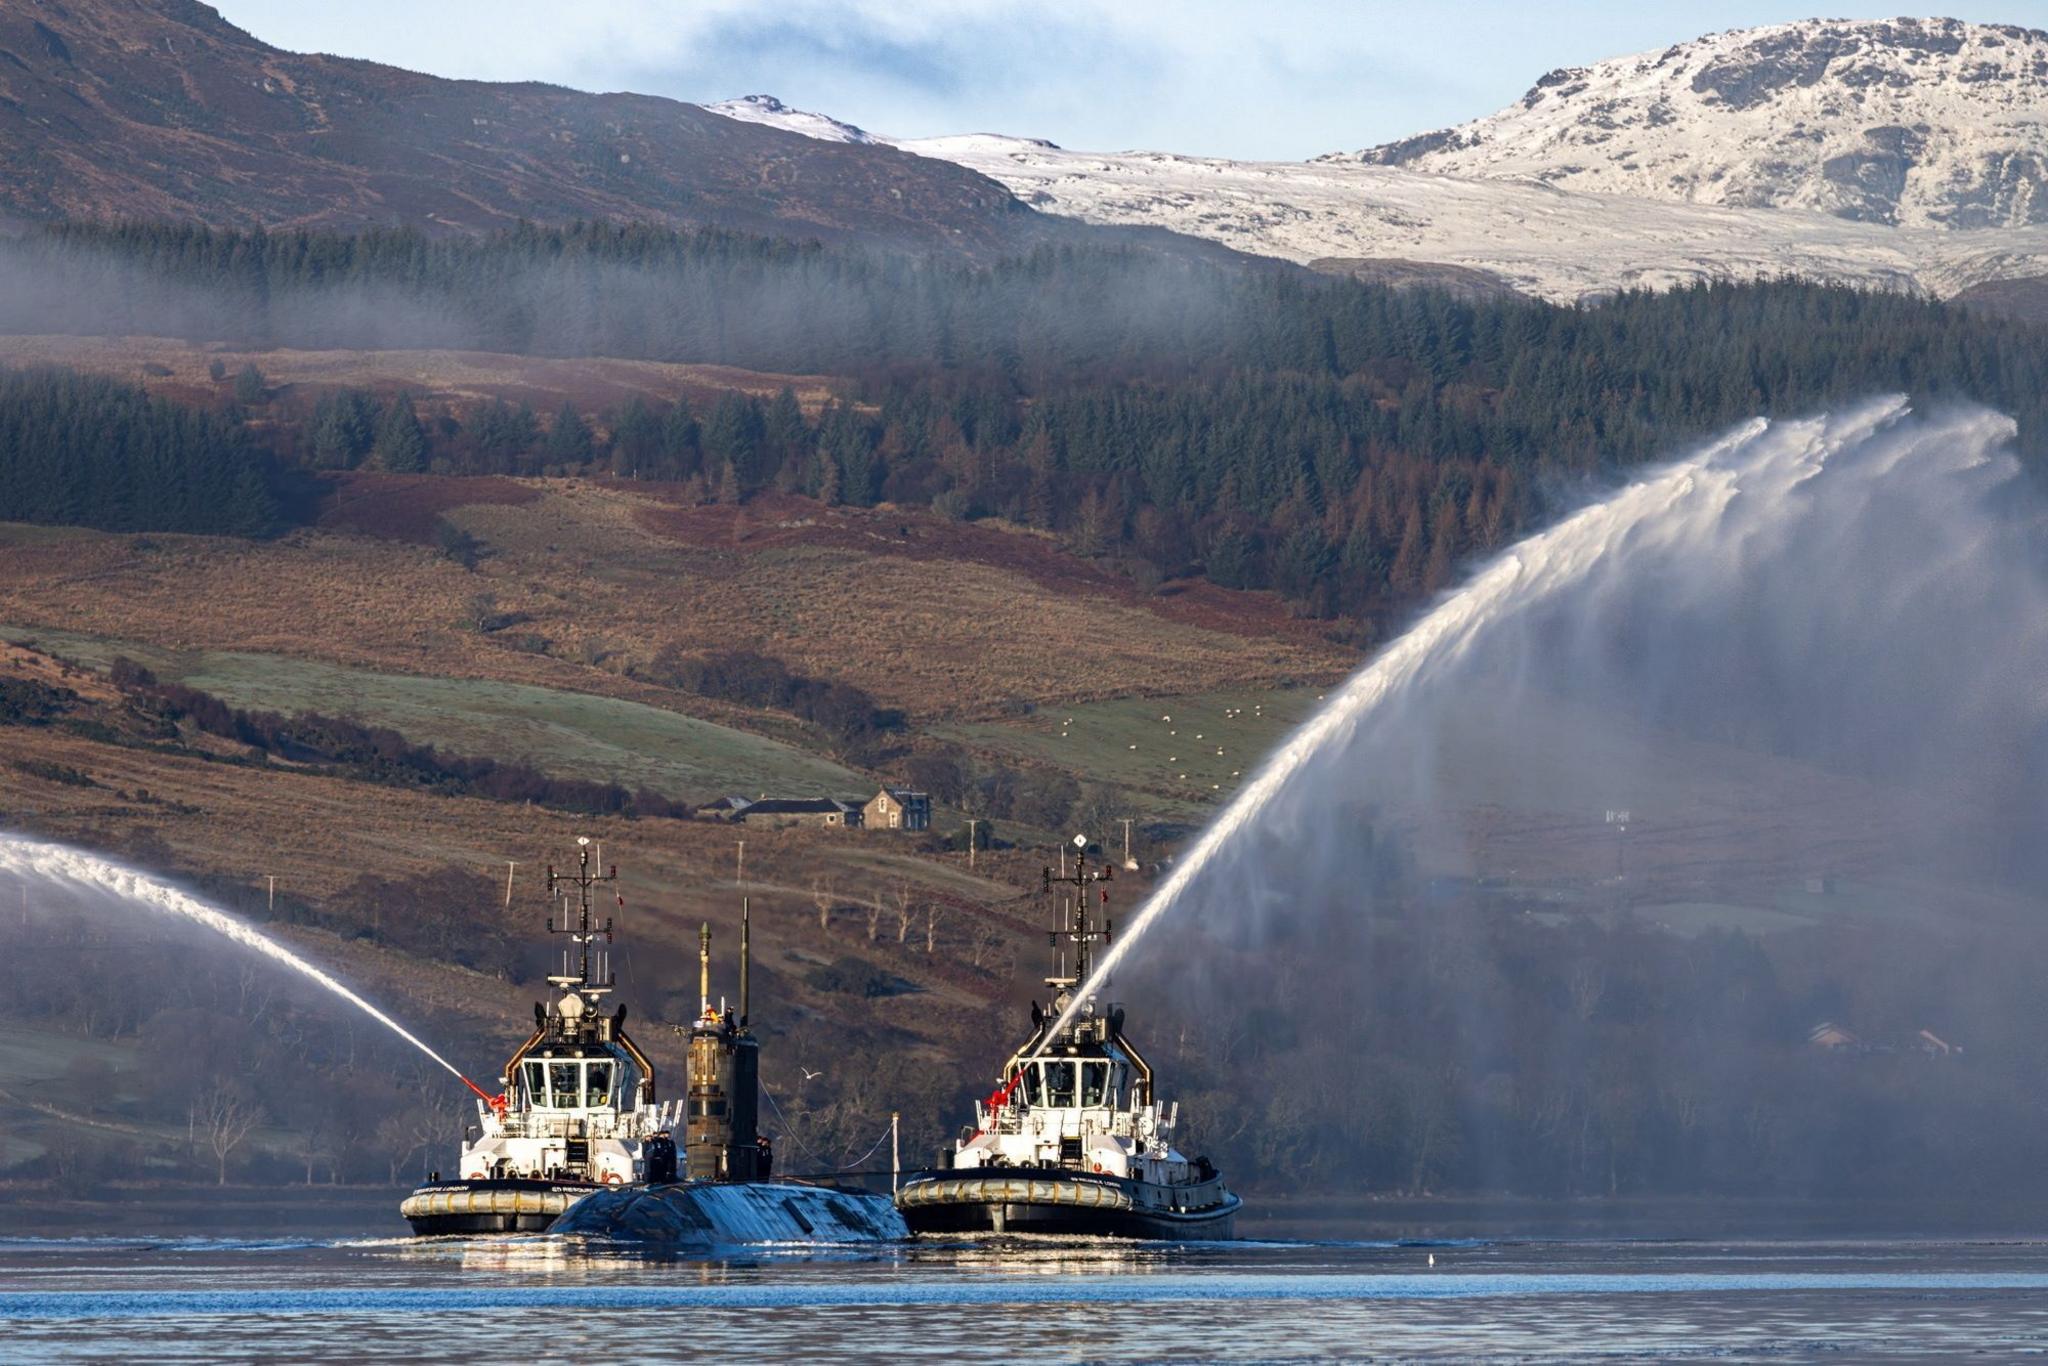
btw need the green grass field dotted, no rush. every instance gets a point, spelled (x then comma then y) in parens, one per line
(1176, 757)
(561, 733)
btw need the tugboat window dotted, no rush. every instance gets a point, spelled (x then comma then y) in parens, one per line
(597, 1084)
(1094, 1081)
(537, 1082)
(1059, 1083)
(1033, 1093)
(564, 1084)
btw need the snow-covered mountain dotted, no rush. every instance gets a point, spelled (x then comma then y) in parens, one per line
(1542, 241)
(1914, 122)
(766, 109)
(1846, 151)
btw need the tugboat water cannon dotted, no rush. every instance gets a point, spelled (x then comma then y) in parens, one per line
(1072, 1140)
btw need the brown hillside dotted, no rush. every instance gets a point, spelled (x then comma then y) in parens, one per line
(436, 379)
(933, 617)
(185, 813)
(163, 109)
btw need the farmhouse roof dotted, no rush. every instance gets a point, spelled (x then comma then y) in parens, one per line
(796, 806)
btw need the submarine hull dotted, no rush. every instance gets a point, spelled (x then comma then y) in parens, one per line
(707, 1214)
(503, 1205)
(1061, 1201)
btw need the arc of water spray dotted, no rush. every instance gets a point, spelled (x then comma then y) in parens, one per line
(57, 863)
(1528, 572)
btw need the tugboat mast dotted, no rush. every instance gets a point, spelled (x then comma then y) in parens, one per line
(1078, 927)
(583, 933)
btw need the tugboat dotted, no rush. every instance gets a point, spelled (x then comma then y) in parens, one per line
(578, 1113)
(1072, 1140)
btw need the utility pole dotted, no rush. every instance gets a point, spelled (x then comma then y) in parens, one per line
(1619, 821)
(510, 864)
(273, 892)
(971, 842)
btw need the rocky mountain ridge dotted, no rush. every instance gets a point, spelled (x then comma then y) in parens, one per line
(1905, 122)
(1904, 154)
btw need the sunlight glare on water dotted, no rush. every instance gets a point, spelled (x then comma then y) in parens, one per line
(393, 1299)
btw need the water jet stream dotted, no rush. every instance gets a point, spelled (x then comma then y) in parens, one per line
(1681, 509)
(56, 863)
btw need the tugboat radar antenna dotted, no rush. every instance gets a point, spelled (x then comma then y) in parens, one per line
(581, 928)
(1077, 926)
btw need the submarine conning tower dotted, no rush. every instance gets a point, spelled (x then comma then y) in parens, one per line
(722, 1138)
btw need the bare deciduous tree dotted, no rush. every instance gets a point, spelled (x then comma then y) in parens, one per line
(903, 909)
(821, 897)
(931, 927)
(225, 1116)
(430, 1121)
(874, 916)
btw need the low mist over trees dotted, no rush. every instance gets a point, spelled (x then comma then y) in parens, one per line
(1343, 445)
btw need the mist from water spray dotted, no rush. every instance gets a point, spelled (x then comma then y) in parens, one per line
(54, 863)
(1868, 604)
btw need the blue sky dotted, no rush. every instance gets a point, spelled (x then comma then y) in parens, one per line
(1276, 79)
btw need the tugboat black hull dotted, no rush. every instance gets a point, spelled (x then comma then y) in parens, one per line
(1059, 1201)
(510, 1205)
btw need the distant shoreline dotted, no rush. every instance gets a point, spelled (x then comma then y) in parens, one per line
(30, 1210)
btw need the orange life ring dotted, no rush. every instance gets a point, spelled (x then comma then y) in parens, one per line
(474, 1176)
(612, 1178)
(1096, 1167)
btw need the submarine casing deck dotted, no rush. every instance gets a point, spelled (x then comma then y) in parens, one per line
(702, 1214)
(1064, 1201)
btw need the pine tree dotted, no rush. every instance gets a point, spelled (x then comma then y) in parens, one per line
(401, 446)
(826, 482)
(636, 440)
(569, 442)
(249, 386)
(344, 428)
